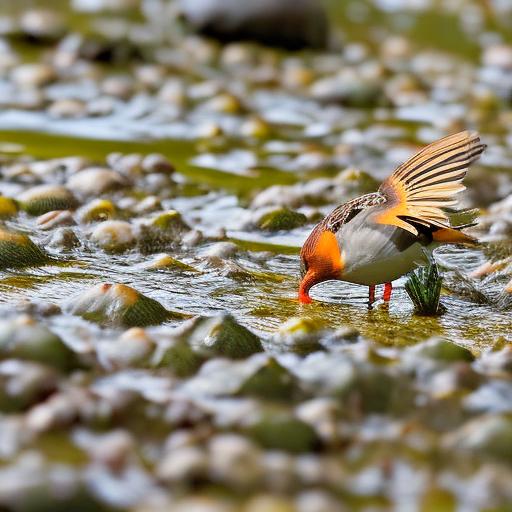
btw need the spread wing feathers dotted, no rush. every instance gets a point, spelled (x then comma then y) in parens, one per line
(418, 190)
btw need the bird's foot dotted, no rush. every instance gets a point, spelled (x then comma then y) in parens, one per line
(371, 296)
(388, 289)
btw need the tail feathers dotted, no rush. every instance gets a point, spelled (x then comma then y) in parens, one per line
(454, 236)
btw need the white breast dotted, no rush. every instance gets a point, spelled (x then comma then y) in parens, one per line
(376, 253)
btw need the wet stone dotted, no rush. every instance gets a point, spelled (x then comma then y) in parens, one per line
(63, 238)
(178, 356)
(235, 461)
(67, 109)
(166, 261)
(280, 219)
(113, 236)
(155, 162)
(17, 250)
(55, 219)
(222, 250)
(42, 24)
(488, 436)
(94, 181)
(133, 348)
(8, 207)
(46, 198)
(270, 381)
(161, 232)
(292, 25)
(24, 383)
(284, 432)
(221, 336)
(183, 464)
(118, 305)
(299, 335)
(97, 210)
(33, 75)
(443, 351)
(25, 338)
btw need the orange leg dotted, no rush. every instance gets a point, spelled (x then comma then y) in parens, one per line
(371, 296)
(388, 288)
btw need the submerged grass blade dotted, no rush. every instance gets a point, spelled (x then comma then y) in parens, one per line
(424, 288)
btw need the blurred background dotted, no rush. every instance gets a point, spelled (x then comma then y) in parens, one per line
(161, 163)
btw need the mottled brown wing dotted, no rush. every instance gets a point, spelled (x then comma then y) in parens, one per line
(347, 211)
(419, 189)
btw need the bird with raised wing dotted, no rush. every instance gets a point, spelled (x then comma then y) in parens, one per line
(379, 237)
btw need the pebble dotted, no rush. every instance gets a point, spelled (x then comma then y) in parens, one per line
(55, 219)
(95, 181)
(42, 24)
(33, 75)
(67, 109)
(113, 235)
(498, 55)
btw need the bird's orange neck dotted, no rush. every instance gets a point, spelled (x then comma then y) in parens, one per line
(323, 255)
(307, 282)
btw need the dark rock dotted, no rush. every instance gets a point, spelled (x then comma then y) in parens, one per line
(292, 24)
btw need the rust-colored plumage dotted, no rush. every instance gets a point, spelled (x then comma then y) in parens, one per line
(375, 238)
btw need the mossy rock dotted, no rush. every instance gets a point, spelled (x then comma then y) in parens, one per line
(165, 261)
(221, 336)
(8, 207)
(378, 391)
(282, 431)
(281, 219)
(97, 210)
(161, 232)
(24, 383)
(487, 436)
(271, 381)
(17, 250)
(179, 357)
(119, 305)
(46, 198)
(24, 338)
(443, 350)
(301, 335)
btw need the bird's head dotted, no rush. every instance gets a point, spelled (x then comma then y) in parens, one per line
(320, 260)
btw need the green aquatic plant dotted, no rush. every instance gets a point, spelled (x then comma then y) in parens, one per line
(424, 288)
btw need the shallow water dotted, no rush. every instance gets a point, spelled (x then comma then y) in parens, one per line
(385, 407)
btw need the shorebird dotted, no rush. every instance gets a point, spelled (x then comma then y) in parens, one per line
(378, 237)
